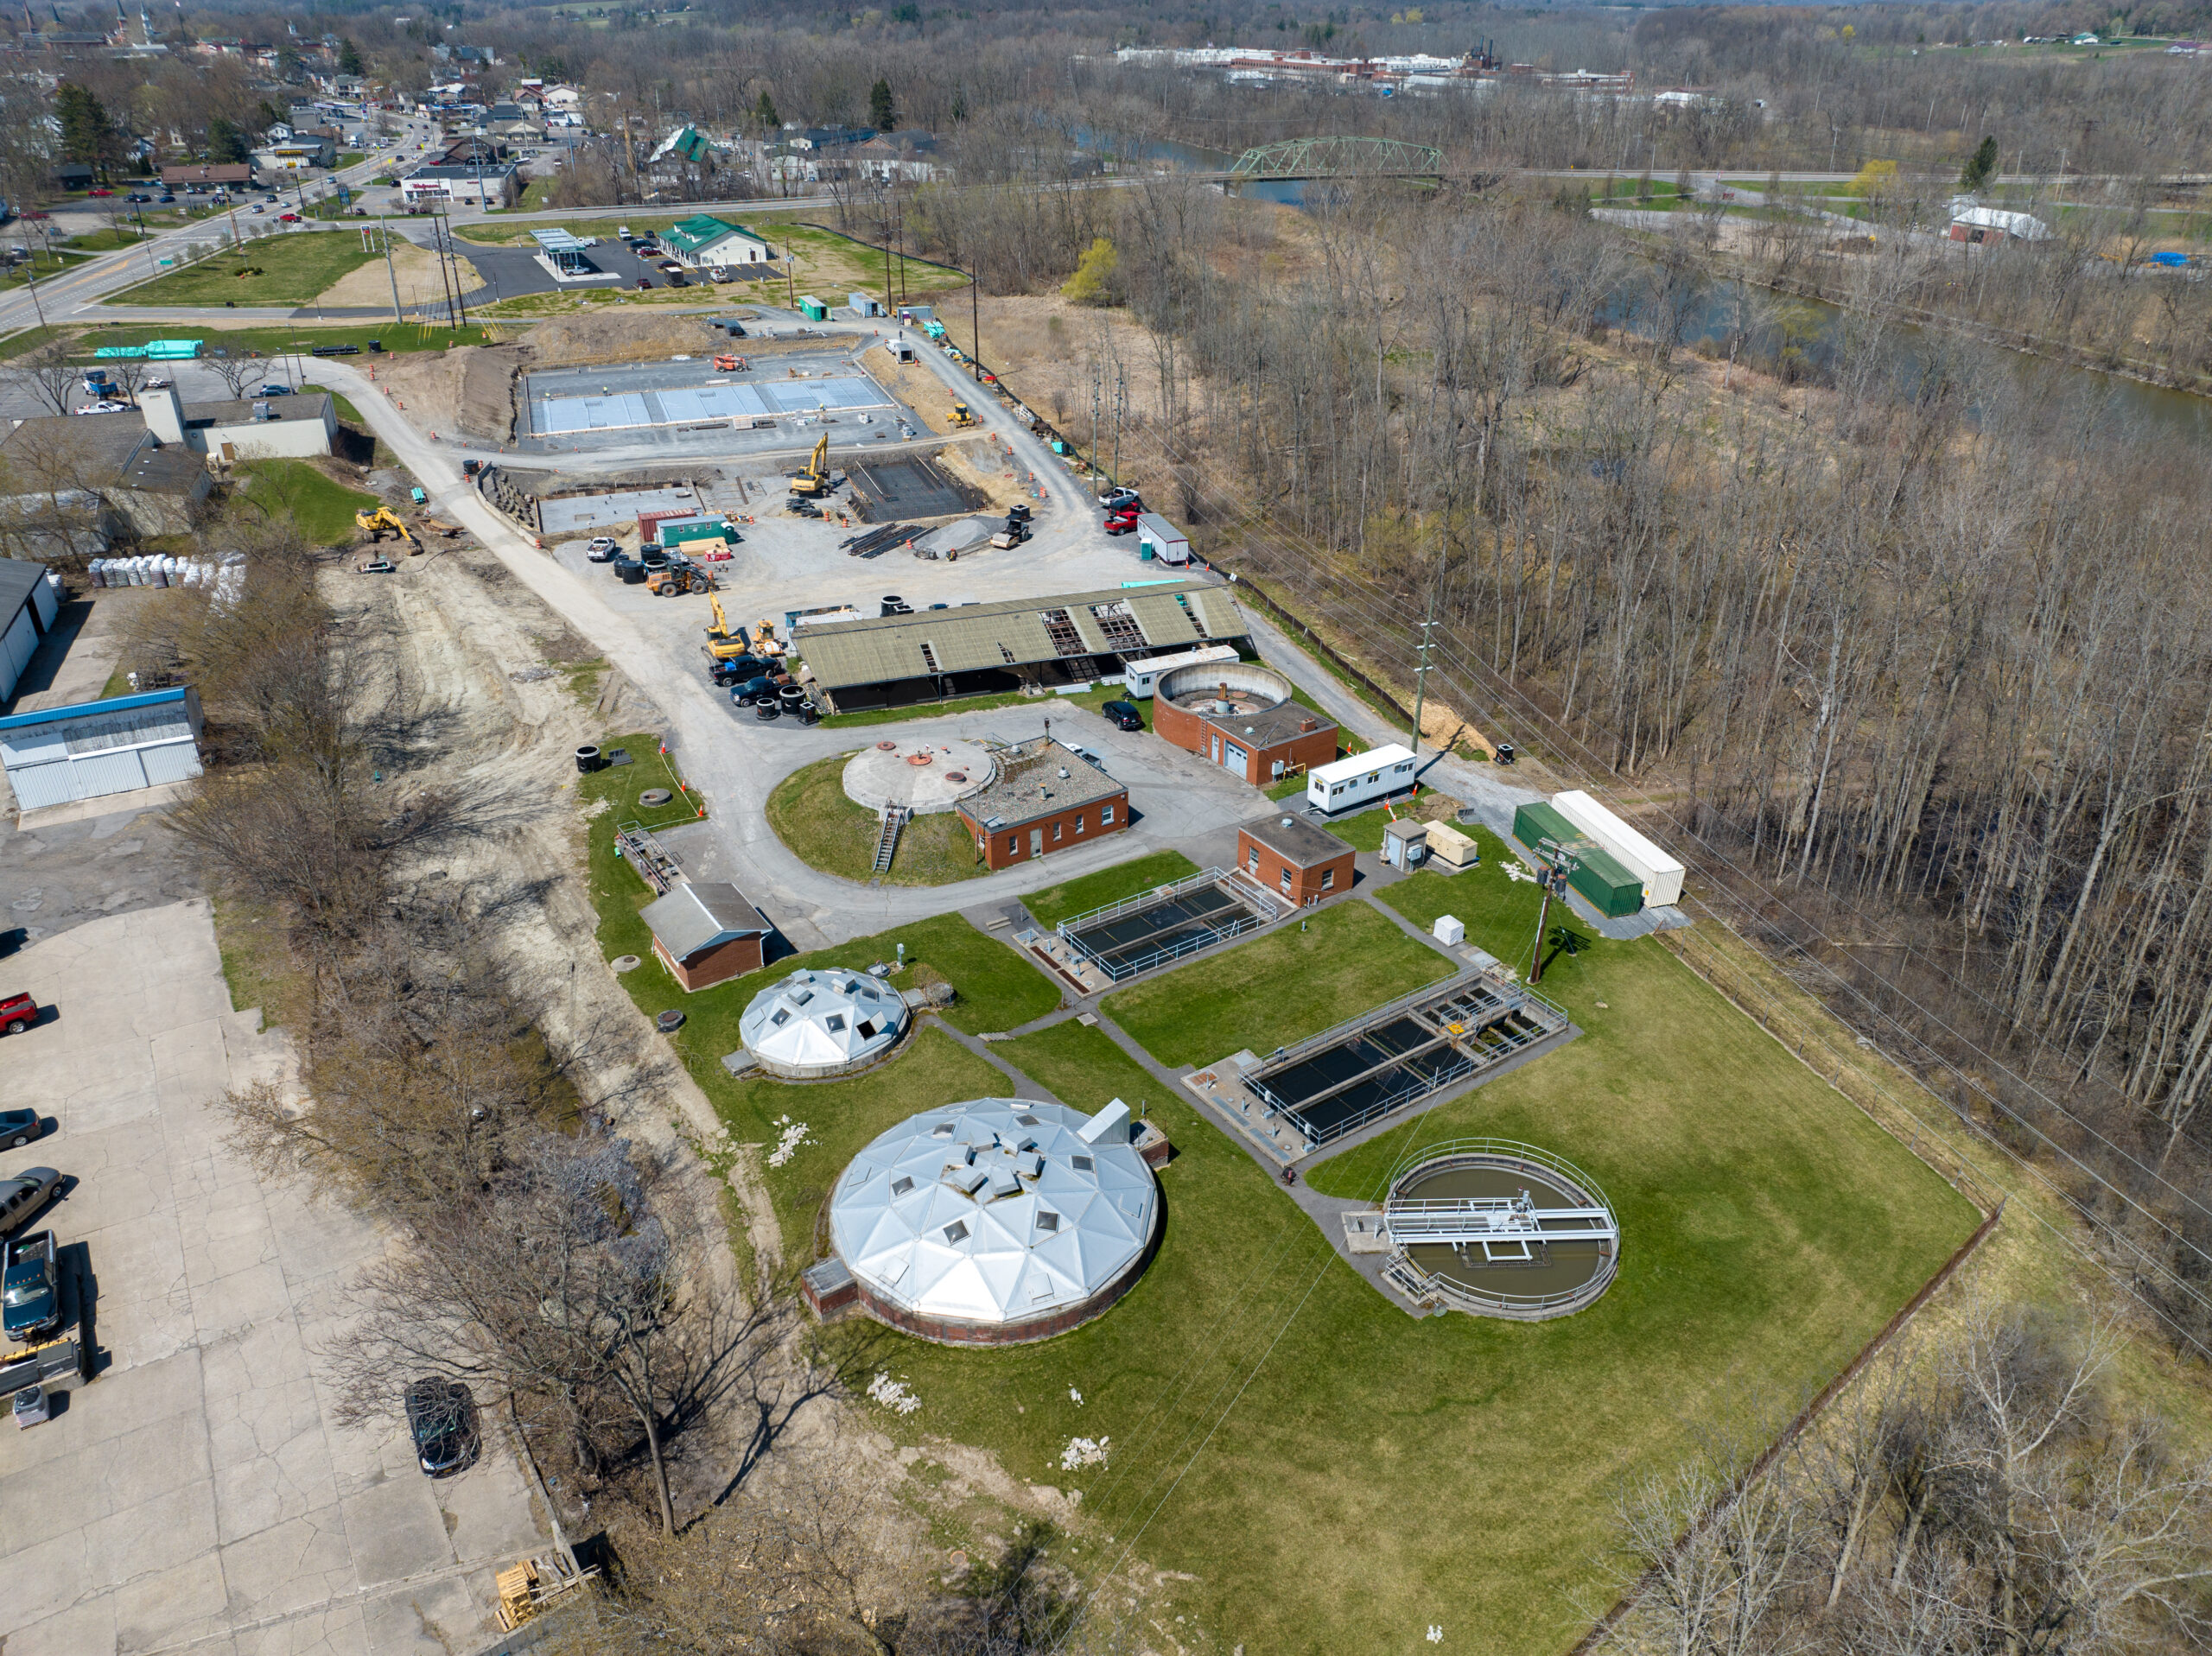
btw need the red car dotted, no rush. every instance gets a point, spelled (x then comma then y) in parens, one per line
(1120, 522)
(288, 218)
(645, 282)
(103, 190)
(17, 1013)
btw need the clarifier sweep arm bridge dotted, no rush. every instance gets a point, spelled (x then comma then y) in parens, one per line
(1503, 1226)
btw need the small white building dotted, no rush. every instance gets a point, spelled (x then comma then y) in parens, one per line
(29, 604)
(1363, 779)
(59, 755)
(262, 428)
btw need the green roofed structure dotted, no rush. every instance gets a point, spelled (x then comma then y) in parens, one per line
(704, 242)
(1610, 889)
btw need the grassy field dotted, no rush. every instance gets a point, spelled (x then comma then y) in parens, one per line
(811, 813)
(1294, 982)
(1348, 1452)
(43, 263)
(1057, 902)
(267, 341)
(287, 269)
(347, 411)
(831, 266)
(322, 507)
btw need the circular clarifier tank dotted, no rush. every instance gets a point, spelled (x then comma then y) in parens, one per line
(1503, 1229)
(919, 776)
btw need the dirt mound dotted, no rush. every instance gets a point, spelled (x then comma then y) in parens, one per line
(567, 341)
(468, 391)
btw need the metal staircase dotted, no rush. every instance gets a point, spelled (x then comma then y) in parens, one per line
(886, 838)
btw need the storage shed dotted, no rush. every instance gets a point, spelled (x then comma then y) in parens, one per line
(864, 306)
(1160, 539)
(1610, 888)
(1660, 874)
(706, 933)
(60, 755)
(812, 309)
(28, 606)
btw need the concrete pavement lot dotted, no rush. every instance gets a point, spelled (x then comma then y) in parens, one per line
(198, 1495)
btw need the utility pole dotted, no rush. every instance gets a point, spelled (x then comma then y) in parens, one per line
(1559, 864)
(1420, 672)
(975, 322)
(384, 233)
(1121, 401)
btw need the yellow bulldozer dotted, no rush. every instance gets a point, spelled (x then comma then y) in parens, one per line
(384, 521)
(963, 415)
(814, 482)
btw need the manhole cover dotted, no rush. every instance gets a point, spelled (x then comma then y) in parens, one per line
(655, 796)
(886, 747)
(921, 758)
(669, 1022)
(626, 963)
(956, 776)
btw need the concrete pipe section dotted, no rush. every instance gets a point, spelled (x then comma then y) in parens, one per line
(918, 775)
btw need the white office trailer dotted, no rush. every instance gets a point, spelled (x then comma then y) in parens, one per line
(1360, 780)
(1139, 677)
(1157, 538)
(58, 755)
(1660, 874)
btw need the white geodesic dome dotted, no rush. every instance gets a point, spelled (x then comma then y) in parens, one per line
(822, 1021)
(995, 1214)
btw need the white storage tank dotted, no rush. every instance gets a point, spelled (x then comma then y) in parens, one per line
(1360, 780)
(1660, 874)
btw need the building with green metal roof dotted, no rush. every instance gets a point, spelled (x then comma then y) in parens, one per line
(704, 241)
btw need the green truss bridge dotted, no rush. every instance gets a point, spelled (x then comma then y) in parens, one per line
(1308, 158)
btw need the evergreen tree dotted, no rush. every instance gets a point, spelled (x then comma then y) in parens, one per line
(87, 134)
(765, 112)
(349, 58)
(881, 114)
(226, 143)
(1979, 171)
(959, 106)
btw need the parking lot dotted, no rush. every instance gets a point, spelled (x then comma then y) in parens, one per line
(199, 1493)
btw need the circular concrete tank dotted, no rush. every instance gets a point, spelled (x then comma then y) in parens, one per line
(1531, 1271)
(1224, 689)
(921, 776)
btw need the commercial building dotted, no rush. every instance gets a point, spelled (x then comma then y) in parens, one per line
(263, 428)
(1045, 797)
(467, 179)
(1289, 855)
(706, 933)
(59, 755)
(1241, 717)
(73, 483)
(991, 1222)
(223, 175)
(898, 659)
(28, 604)
(1978, 224)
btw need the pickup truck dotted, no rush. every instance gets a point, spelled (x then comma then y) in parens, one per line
(30, 1295)
(17, 1013)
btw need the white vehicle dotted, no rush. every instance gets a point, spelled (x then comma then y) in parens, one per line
(158, 382)
(603, 548)
(106, 407)
(1360, 780)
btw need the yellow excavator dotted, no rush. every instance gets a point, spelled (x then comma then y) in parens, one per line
(814, 482)
(722, 644)
(384, 521)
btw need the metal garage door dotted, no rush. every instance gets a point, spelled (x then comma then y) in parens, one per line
(16, 649)
(39, 785)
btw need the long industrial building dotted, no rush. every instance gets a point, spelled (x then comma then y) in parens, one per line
(895, 660)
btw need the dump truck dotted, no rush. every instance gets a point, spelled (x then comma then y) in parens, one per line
(384, 521)
(814, 481)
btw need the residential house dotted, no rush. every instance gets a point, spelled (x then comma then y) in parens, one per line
(74, 483)
(511, 121)
(910, 157)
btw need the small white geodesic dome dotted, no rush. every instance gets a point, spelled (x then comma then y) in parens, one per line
(996, 1219)
(822, 1021)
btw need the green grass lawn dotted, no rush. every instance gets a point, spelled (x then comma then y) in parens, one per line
(278, 341)
(106, 241)
(1295, 981)
(43, 263)
(294, 270)
(347, 411)
(1770, 1229)
(812, 815)
(1057, 903)
(322, 507)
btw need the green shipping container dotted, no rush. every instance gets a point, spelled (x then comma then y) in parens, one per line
(1608, 887)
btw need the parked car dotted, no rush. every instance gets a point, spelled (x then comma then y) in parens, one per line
(256, 208)
(1122, 523)
(602, 547)
(645, 283)
(442, 1420)
(274, 388)
(19, 1127)
(136, 196)
(751, 690)
(167, 198)
(17, 1013)
(156, 383)
(105, 406)
(21, 1196)
(337, 350)
(102, 190)
(30, 1289)
(1122, 715)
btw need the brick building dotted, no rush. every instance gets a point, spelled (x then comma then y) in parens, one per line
(1290, 855)
(706, 933)
(1045, 798)
(1240, 716)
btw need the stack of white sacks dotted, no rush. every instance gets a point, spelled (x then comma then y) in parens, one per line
(224, 576)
